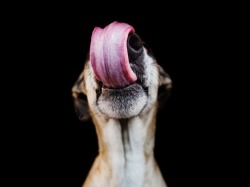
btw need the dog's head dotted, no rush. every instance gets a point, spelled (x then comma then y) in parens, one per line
(121, 77)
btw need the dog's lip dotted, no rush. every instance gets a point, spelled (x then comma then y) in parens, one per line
(138, 70)
(104, 87)
(122, 88)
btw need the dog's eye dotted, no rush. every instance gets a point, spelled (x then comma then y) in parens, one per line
(163, 95)
(81, 107)
(82, 96)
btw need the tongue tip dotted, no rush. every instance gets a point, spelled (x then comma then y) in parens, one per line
(130, 76)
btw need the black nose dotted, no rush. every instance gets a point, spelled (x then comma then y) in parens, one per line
(134, 46)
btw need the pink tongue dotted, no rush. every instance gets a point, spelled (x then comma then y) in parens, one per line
(109, 56)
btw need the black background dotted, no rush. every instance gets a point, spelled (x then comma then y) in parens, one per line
(57, 149)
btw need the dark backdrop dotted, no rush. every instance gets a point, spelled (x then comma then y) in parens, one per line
(59, 148)
(176, 41)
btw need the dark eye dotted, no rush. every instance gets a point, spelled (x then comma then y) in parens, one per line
(82, 96)
(163, 95)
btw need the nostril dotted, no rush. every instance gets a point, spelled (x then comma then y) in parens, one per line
(134, 45)
(134, 41)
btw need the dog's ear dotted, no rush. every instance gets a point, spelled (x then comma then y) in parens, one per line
(80, 99)
(165, 85)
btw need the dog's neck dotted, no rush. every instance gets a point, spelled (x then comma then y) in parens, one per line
(126, 147)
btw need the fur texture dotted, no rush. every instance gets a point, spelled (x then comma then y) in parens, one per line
(125, 122)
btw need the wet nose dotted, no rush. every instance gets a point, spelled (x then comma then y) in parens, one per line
(134, 46)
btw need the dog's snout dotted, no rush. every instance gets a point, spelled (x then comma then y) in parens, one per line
(134, 46)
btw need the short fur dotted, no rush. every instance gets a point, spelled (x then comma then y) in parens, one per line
(125, 122)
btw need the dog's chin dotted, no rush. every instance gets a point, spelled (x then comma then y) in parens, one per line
(122, 103)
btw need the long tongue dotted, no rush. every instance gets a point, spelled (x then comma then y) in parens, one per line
(109, 56)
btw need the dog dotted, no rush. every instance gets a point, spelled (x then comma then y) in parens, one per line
(120, 88)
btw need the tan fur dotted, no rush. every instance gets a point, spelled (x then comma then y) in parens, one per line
(126, 146)
(101, 165)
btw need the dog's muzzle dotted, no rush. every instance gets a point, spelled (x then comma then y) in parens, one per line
(114, 51)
